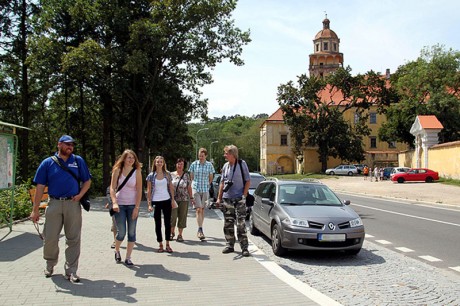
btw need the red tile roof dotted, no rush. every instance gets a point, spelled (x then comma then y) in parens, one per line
(429, 122)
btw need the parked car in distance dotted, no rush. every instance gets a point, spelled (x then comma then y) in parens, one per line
(360, 168)
(387, 172)
(305, 215)
(398, 170)
(343, 170)
(416, 175)
(214, 187)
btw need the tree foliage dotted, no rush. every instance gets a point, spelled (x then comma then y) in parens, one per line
(314, 111)
(119, 74)
(430, 85)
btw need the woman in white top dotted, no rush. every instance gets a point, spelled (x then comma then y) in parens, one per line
(160, 192)
(126, 200)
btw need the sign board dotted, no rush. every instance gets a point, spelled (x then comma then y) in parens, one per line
(6, 161)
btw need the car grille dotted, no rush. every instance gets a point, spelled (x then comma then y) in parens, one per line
(315, 225)
(329, 244)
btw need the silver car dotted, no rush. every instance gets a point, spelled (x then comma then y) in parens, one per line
(343, 170)
(305, 216)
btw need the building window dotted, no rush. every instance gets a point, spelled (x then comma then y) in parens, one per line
(373, 118)
(317, 47)
(325, 46)
(373, 140)
(335, 47)
(284, 140)
(356, 118)
(392, 144)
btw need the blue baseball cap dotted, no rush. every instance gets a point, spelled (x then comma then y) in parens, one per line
(66, 138)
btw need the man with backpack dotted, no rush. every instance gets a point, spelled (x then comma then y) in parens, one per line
(233, 189)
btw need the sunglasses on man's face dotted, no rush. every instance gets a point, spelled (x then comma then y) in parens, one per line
(69, 144)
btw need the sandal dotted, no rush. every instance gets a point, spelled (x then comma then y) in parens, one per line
(172, 235)
(180, 238)
(168, 249)
(160, 249)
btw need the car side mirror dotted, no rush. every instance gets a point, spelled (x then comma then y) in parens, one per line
(347, 202)
(267, 201)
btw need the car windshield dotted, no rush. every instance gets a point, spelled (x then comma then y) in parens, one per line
(307, 194)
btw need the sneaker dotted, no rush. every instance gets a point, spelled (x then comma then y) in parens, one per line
(200, 235)
(117, 257)
(180, 238)
(128, 262)
(227, 250)
(73, 278)
(245, 253)
(48, 271)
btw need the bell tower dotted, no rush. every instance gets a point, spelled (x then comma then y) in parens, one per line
(326, 56)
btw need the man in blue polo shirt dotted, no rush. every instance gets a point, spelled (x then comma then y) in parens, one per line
(201, 173)
(64, 206)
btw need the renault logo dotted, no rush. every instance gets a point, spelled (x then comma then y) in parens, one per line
(331, 226)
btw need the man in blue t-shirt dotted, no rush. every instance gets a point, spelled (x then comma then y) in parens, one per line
(233, 189)
(64, 206)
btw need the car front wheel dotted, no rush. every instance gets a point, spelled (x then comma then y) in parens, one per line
(350, 173)
(400, 180)
(278, 250)
(331, 173)
(429, 179)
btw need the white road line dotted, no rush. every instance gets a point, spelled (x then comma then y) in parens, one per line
(407, 215)
(430, 258)
(455, 268)
(369, 236)
(383, 241)
(285, 276)
(404, 250)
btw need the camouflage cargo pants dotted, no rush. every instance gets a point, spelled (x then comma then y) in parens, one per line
(235, 209)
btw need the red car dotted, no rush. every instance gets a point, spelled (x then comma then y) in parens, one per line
(416, 175)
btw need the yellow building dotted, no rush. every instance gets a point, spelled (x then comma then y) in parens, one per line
(275, 141)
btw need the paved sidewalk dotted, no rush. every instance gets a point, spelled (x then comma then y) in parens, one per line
(197, 273)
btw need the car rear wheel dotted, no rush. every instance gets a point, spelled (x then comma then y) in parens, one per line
(252, 229)
(429, 179)
(278, 250)
(400, 180)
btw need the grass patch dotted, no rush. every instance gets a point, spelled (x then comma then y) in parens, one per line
(449, 181)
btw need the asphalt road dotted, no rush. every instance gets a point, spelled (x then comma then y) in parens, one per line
(428, 233)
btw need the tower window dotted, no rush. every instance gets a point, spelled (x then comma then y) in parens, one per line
(326, 46)
(317, 47)
(335, 47)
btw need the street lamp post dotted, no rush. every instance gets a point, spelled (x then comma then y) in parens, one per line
(210, 149)
(196, 139)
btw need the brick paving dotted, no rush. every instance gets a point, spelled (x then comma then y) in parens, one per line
(197, 273)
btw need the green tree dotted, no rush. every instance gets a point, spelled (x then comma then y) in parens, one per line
(429, 85)
(313, 110)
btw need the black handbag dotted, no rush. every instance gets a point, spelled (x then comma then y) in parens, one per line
(84, 200)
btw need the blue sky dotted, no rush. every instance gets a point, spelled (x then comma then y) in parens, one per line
(374, 35)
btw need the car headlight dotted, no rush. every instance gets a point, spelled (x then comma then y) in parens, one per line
(356, 222)
(297, 222)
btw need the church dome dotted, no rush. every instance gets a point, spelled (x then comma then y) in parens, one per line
(326, 32)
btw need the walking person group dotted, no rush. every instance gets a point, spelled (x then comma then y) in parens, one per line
(168, 197)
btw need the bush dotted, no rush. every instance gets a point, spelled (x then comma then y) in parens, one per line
(22, 206)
